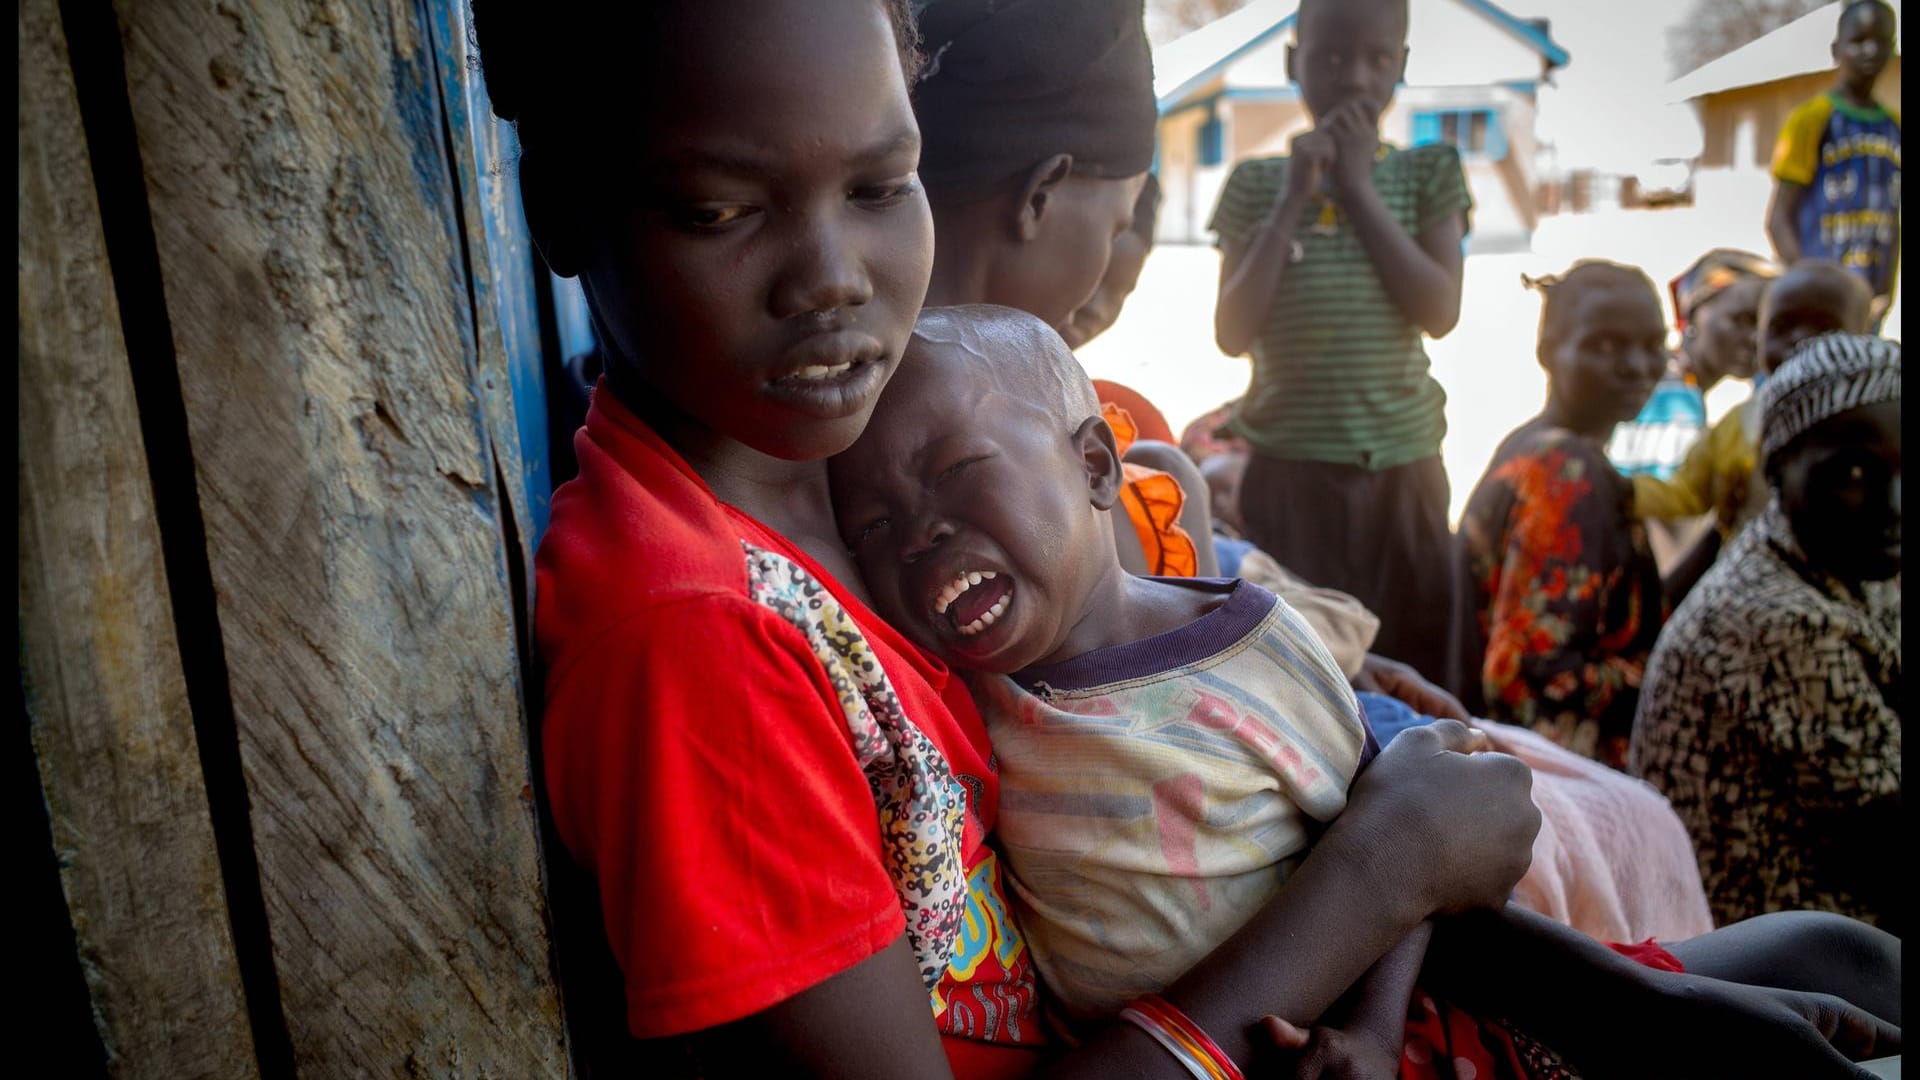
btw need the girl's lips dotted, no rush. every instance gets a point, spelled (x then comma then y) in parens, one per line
(830, 391)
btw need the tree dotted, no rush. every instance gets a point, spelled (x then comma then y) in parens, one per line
(1714, 28)
(1169, 19)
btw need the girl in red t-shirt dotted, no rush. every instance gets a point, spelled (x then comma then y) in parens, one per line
(774, 794)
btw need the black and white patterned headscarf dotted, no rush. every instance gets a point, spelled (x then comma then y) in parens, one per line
(1825, 377)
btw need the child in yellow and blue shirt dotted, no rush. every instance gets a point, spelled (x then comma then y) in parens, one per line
(1837, 165)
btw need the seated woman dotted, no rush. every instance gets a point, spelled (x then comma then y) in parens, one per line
(1771, 711)
(1037, 180)
(1564, 593)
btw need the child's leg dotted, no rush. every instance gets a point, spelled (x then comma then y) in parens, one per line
(1814, 951)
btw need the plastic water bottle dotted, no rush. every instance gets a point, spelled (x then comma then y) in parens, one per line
(1657, 440)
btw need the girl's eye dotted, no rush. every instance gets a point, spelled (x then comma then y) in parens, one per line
(714, 217)
(884, 195)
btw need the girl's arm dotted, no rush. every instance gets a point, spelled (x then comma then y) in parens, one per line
(1422, 277)
(1381, 999)
(1383, 866)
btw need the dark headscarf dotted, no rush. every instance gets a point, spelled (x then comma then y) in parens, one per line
(1009, 83)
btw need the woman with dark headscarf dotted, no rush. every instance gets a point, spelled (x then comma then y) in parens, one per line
(1038, 126)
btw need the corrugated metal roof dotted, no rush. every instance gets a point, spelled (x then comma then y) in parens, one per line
(1801, 47)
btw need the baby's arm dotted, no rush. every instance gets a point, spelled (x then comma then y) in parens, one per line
(1365, 1040)
(1380, 998)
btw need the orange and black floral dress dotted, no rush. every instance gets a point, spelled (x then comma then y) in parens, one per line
(1565, 590)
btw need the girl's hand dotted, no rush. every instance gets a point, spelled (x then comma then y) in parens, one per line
(1456, 820)
(1328, 1053)
(1356, 142)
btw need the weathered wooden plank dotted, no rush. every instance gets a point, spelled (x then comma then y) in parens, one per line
(100, 665)
(311, 255)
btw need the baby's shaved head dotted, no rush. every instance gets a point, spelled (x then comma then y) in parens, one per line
(1014, 352)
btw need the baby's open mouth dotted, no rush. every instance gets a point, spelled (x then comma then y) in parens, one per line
(973, 600)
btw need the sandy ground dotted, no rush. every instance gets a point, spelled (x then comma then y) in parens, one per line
(1163, 345)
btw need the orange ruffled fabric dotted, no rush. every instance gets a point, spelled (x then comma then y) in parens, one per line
(1152, 500)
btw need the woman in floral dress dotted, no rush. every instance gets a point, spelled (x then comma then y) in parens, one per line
(1563, 591)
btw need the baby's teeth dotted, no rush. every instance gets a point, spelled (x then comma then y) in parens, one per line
(999, 606)
(973, 579)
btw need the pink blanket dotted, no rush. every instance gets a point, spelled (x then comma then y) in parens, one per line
(1612, 859)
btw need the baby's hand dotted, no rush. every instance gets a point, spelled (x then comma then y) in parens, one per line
(1329, 1053)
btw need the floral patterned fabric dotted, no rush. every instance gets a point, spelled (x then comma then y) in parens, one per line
(922, 804)
(1565, 591)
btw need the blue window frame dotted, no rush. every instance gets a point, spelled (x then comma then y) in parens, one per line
(1213, 140)
(1478, 134)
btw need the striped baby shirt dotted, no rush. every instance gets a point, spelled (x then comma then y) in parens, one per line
(1153, 796)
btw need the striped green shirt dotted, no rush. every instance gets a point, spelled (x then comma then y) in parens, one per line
(1339, 374)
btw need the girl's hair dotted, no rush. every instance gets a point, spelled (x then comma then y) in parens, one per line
(541, 60)
(1558, 291)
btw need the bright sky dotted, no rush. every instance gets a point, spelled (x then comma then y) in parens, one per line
(1607, 109)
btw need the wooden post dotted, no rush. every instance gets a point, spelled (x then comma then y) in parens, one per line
(319, 296)
(99, 662)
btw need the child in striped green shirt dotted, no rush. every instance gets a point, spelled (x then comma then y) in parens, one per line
(1337, 259)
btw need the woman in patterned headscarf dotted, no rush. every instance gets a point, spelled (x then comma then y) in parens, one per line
(1770, 715)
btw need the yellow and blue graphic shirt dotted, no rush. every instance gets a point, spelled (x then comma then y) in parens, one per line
(1848, 159)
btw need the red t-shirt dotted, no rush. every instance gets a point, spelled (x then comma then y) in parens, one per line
(768, 783)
